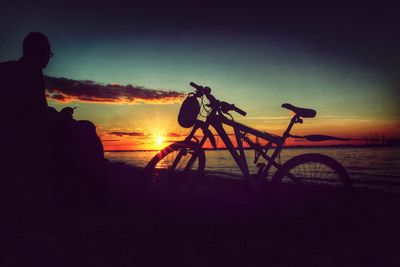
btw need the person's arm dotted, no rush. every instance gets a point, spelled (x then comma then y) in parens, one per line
(43, 94)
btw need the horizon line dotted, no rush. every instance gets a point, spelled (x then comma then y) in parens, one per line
(248, 148)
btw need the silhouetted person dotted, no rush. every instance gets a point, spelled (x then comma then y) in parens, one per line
(24, 106)
(24, 143)
(44, 153)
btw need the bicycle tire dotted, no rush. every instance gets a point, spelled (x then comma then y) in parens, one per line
(327, 187)
(301, 160)
(163, 179)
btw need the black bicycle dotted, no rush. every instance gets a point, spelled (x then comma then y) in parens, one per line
(179, 167)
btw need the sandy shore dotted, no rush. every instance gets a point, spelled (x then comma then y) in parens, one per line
(216, 227)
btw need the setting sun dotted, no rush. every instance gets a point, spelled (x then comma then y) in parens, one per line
(159, 141)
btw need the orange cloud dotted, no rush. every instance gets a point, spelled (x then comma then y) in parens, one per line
(136, 134)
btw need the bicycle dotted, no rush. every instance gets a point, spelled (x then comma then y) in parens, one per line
(179, 167)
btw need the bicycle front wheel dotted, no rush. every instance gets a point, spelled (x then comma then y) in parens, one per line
(174, 171)
(311, 181)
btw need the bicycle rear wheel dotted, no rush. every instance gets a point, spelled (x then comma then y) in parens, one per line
(174, 171)
(311, 182)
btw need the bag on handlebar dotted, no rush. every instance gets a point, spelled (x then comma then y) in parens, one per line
(189, 111)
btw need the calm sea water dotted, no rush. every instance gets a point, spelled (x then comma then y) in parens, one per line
(365, 165)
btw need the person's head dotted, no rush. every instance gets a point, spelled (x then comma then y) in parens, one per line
(36, 48)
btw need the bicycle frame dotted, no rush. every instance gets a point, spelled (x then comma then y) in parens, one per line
(216, 119)
(218, 116)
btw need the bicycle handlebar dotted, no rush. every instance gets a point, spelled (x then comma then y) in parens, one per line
(238, 110)
(198, 87)
(204, 90)
(223, 105)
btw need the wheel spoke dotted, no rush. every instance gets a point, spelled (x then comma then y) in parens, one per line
(175, 169)
(315, 172)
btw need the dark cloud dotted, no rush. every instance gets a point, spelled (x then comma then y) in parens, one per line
(128, 134)
(59, 97)
(66, 90)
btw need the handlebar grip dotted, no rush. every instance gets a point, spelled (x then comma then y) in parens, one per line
(238, 110)
(198, 87)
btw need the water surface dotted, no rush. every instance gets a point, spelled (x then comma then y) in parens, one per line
(366, 164)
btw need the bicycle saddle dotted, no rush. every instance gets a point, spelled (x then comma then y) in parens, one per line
(301, 112)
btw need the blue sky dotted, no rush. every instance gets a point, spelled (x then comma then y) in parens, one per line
(256, 67)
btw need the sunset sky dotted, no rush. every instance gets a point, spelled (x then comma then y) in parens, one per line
(127, 66)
